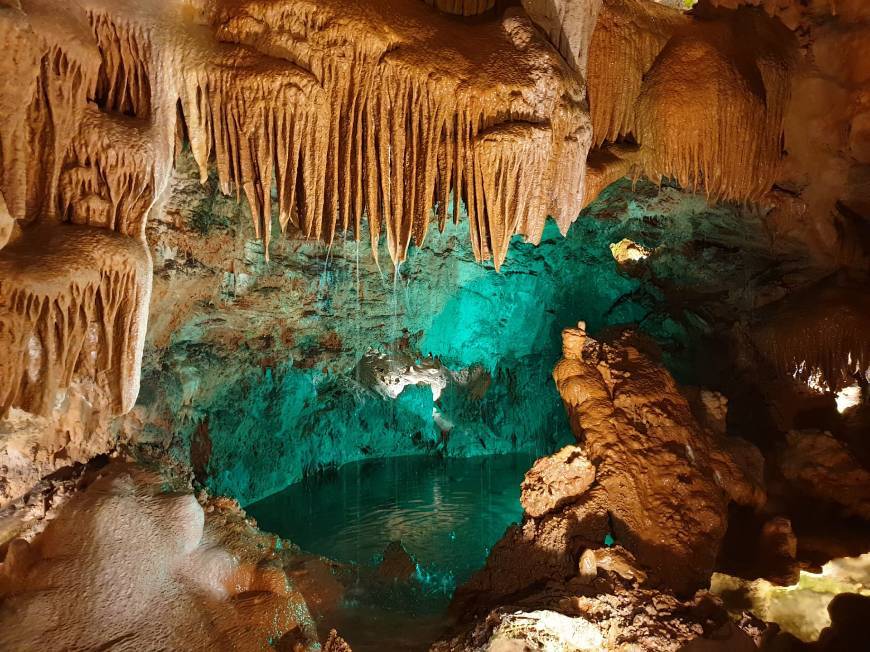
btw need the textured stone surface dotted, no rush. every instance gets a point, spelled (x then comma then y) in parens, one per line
(662, 481)
(555, 480)
(129, 565)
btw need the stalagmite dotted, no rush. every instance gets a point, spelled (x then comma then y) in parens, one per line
(645, 477)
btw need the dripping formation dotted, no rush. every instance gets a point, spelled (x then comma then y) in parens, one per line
(654, 68)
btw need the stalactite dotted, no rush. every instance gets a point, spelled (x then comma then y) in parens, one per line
(73, 300)
(108, 177)
(124, 83)
(16, 36)
(54, 70)
(606, 165)
(628, 37)
(704, 95)
(569, 24)
(384, 110)
(261, 120)
(407, 105)
(711, 107)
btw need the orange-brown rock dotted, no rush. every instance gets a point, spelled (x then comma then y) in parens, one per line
(823, 467)
(704, 94)
(667, 480)
(819, 335)
(661, 489)
(552, 481)
(73, 304)
(397, 564)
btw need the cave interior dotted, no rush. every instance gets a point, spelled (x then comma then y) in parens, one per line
(449, 325)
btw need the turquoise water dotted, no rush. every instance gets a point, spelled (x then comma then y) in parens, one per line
(447, 513)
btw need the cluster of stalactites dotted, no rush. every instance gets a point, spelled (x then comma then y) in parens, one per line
(310, 114)
(392, 139)
(711, 108)
(337, 137)
(628, 36)
(463, 7)
(703, 96)
(45, 86)
(73, 303)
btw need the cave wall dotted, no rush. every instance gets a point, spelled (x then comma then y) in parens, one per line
(339, 110)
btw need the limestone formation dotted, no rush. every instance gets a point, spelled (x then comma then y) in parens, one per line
(127, 565)
(628, 37)
(710, 109)
(569, 25)
(430, 109)
(823, 467)
(73, 304)
(662, 482)
(704, 95)
(383, 111)
(556, 479)
(818, 336)
(666, 479)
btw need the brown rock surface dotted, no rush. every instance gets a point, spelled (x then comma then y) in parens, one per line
(667, 480)
(552, 481)
(824, 467)
(397, 564)
(661, 489)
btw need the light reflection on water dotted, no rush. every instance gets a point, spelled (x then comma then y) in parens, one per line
(447, 513)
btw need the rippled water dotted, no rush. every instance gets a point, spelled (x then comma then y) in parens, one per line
(446, 512)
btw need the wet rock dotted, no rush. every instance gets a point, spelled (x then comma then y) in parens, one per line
(661, 490)
(556, 480)
(627, 252)
(618, 560)
(623, 619)
(587, 569)
(778, 550)
(397, 565)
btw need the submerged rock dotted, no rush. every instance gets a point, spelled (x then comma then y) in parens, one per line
(397, 564)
